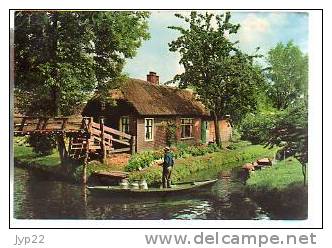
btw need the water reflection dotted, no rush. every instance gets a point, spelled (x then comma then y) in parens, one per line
(37, 198)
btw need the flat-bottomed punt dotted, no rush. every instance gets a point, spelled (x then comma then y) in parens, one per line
(176, 189)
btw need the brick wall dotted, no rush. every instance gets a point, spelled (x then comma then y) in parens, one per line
(159, 133)
(196, 132)
(225, 131)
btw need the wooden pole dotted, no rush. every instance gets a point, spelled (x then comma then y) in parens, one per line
(133, 145)
(87, 149)
(102, 141)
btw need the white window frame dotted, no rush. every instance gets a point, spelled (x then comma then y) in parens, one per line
(152, 129)
(191, 131)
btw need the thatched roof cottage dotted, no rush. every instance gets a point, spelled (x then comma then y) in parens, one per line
(155, 114)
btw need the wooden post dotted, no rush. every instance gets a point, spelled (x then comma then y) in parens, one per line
(23, 123)
(133, 145)
(102, 140)
(64, 122)
(87, 149)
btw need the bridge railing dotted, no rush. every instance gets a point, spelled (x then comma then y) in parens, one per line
(101, 136)
(25, 125)
(107, 136)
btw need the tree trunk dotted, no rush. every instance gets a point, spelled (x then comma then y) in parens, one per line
(55, 90)
(63, 153)
(217, 129)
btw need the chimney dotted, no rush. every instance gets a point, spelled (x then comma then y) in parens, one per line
(152, 78)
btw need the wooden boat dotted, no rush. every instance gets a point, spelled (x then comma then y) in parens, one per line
(176, 189)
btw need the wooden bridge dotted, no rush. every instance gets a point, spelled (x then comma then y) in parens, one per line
(85, 135)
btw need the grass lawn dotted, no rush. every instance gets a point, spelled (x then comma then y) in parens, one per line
(279, 190)
(25, 154)
(194, 167)
(280, 176)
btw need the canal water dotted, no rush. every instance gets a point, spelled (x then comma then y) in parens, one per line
(38, 198)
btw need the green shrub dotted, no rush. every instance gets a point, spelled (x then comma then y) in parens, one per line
(255, 128)
(142, 160)
(42, 144)
(146, 158)
(213, 148)
(170, 133)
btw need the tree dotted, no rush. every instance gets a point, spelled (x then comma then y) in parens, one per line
(225, 78)
(287, 73)
(62, 57)
(291, 132)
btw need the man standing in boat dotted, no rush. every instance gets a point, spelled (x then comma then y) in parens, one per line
(167, 167)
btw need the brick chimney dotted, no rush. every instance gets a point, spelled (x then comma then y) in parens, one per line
(152, 78)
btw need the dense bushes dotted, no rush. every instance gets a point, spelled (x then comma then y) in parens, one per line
(256, 128)
(147, 158)
(141, 160)
(42, 144)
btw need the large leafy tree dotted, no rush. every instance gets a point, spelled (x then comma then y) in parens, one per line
(287, 74)
(225, 78)
(62, 57)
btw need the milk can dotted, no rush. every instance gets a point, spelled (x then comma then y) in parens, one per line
(143, 184)
(134, 185)
(124, 184)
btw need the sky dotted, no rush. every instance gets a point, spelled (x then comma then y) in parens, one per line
(258, 29)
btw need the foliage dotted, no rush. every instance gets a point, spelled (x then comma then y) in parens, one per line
(287, 73)
(61, 57)
(291, 132)
(236, 135)
(255, 127)
(21, 141)
(141, 160)
(171, 133)
(42, 144)
(145, 159)
(217, 161)
(225, 78)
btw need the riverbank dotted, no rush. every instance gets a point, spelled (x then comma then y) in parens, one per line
(193, 168)
(186, 168)
(50, 166)
(280, 190)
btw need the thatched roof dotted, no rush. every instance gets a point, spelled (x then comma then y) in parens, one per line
(151, 99)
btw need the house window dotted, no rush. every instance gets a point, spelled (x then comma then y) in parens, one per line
(124, 124)
(148, 129)
(187, 128)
